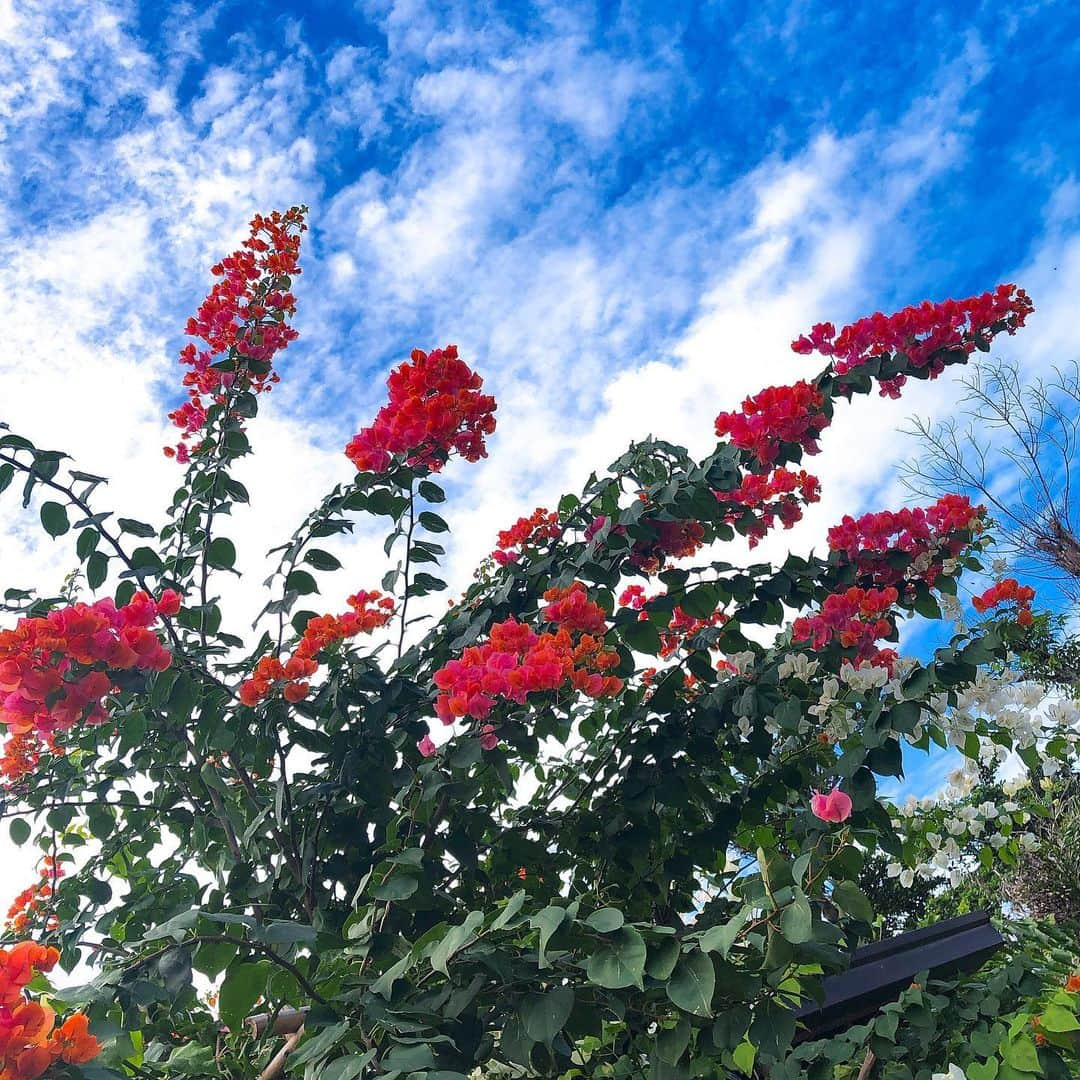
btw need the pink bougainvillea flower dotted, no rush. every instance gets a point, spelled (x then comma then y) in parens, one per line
(834, 807)
(426, 746)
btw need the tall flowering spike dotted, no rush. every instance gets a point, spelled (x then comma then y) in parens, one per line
(773, 417)
(923, 333)
(435, 409)
(56, 669)
(242, 323)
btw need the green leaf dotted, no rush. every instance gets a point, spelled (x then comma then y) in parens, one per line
(544, 1015)
(641, 635)
(977, 1071)
(1021, 1054)
(221, 554)
(700, 602)
(456, 938)
(7, 473)
(513, 906)
(244, 984)
(721, 938)
(432, 522)
(19, 830)
(796, 920)
(548, 920)
(692, 985)
(87, 542)
(744, 1056)
(55, 519)
(397, 887)
(671, 1043)
(321, 1043)
(348, 1068)
(384, 984)
(431, 491)
(663, 955)
(322, 560)
(136, 528)
(301, 582)
(288, 933)
(620, 961)
(97, 569)
(850, 898)
(604, 920)
(1055, 1018)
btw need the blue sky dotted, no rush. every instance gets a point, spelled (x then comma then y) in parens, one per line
(622, 213)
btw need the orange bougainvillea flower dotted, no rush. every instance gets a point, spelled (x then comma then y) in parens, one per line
(29, 1040)
(1072, 984)
(76, 1044)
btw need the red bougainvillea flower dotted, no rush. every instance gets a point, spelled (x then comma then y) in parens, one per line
(435, 409)
(370, 610)
(515, 661)
(924, 333)
(779, 494)
(1008, 590)
(56, 669)
(773, 417)
(856, 618)
(833, 807)
(242, 323)
(930, 535)
(529, 531)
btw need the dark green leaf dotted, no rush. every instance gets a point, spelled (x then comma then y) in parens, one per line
(692, 985)
(544, 1015)
(55, 519)
(321, 560)
(136, 528)
(619, 962)
(221, 554)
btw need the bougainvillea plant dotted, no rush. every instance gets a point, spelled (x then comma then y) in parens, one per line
(601, 816)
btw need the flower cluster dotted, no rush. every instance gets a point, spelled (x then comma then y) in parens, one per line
(34, 899)
(435, 408)
(56, 669)
(30, 1041)
(1006, 591)
(923, 333)
(833, 807)
(671, 540)
(370, 610)
(242, 321)
(529, 531)
(776, 415)
(930, 535)
(855, 619)
(779, 494)
(515, 661)
(680, 627)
